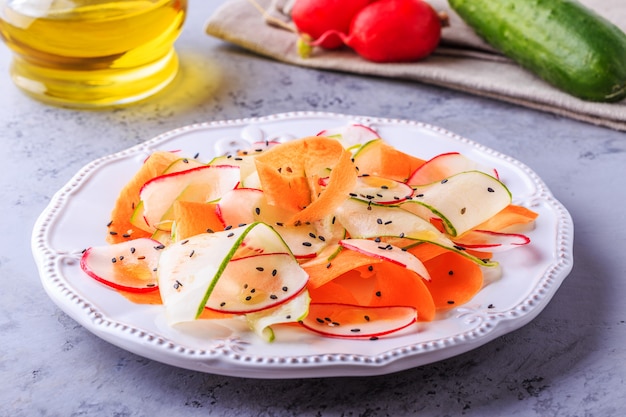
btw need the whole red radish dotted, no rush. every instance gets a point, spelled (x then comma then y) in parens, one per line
(394, 31)
(316, 17)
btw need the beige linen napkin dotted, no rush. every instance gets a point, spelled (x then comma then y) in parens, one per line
(462, 62)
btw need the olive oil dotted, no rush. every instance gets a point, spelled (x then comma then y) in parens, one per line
(92, 53)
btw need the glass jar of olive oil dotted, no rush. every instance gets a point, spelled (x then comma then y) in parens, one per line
(92, 53)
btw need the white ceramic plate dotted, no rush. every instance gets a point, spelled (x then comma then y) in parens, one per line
(78, 213)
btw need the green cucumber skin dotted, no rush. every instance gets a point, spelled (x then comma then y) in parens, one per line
(561, 41)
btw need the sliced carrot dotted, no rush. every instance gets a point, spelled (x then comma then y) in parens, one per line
(333, 293)
(212, 314)
(151, 297)
(396, 285)
(509, 216)
(454, 279)
(341, 181)
(382, 284)
(379, 158)
(321, 272)
(192, 218)
(290, 173)
(120, 227)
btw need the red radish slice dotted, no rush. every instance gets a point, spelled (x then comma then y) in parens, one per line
(240, 206)
(445, 165)
(352, 134)
(127, 266)
(492, 241)
(202, 184)
(257, 282)
(353, 321)
(387, 252)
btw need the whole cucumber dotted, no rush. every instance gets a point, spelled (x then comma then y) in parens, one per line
(561, 41)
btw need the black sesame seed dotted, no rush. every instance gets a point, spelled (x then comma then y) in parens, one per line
(132, 250)
(210, 231)
(274, 272)
(222, 304)
(110, 223)
(450, 272)
(374, 338)
(355, 330)
(273, 296)
(312, 235)
(260, 268)
(141, 258)
(248, 298)
(444, 181)
(450, 301)
(230, 235)
(228, 227)
(490, 306)
(113, 260)
(285, 289)
(463, 210)
(378, 293)
(257, 211)
(367, 318)
(379, 221)
(307, 243)
(112, 233)
(184, 242)
(192, 253)
(319, 320)
(370, 268)
(491, 190)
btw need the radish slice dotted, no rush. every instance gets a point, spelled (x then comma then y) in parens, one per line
(127, 266)
(445, 165)
(387, 252)
(350, 135)
(352, 321)
(256, 283)
(492, 241)
(202, 184)
(240, 206)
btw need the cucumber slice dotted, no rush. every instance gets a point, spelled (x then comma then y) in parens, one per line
(294, 310)
(464, 200)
